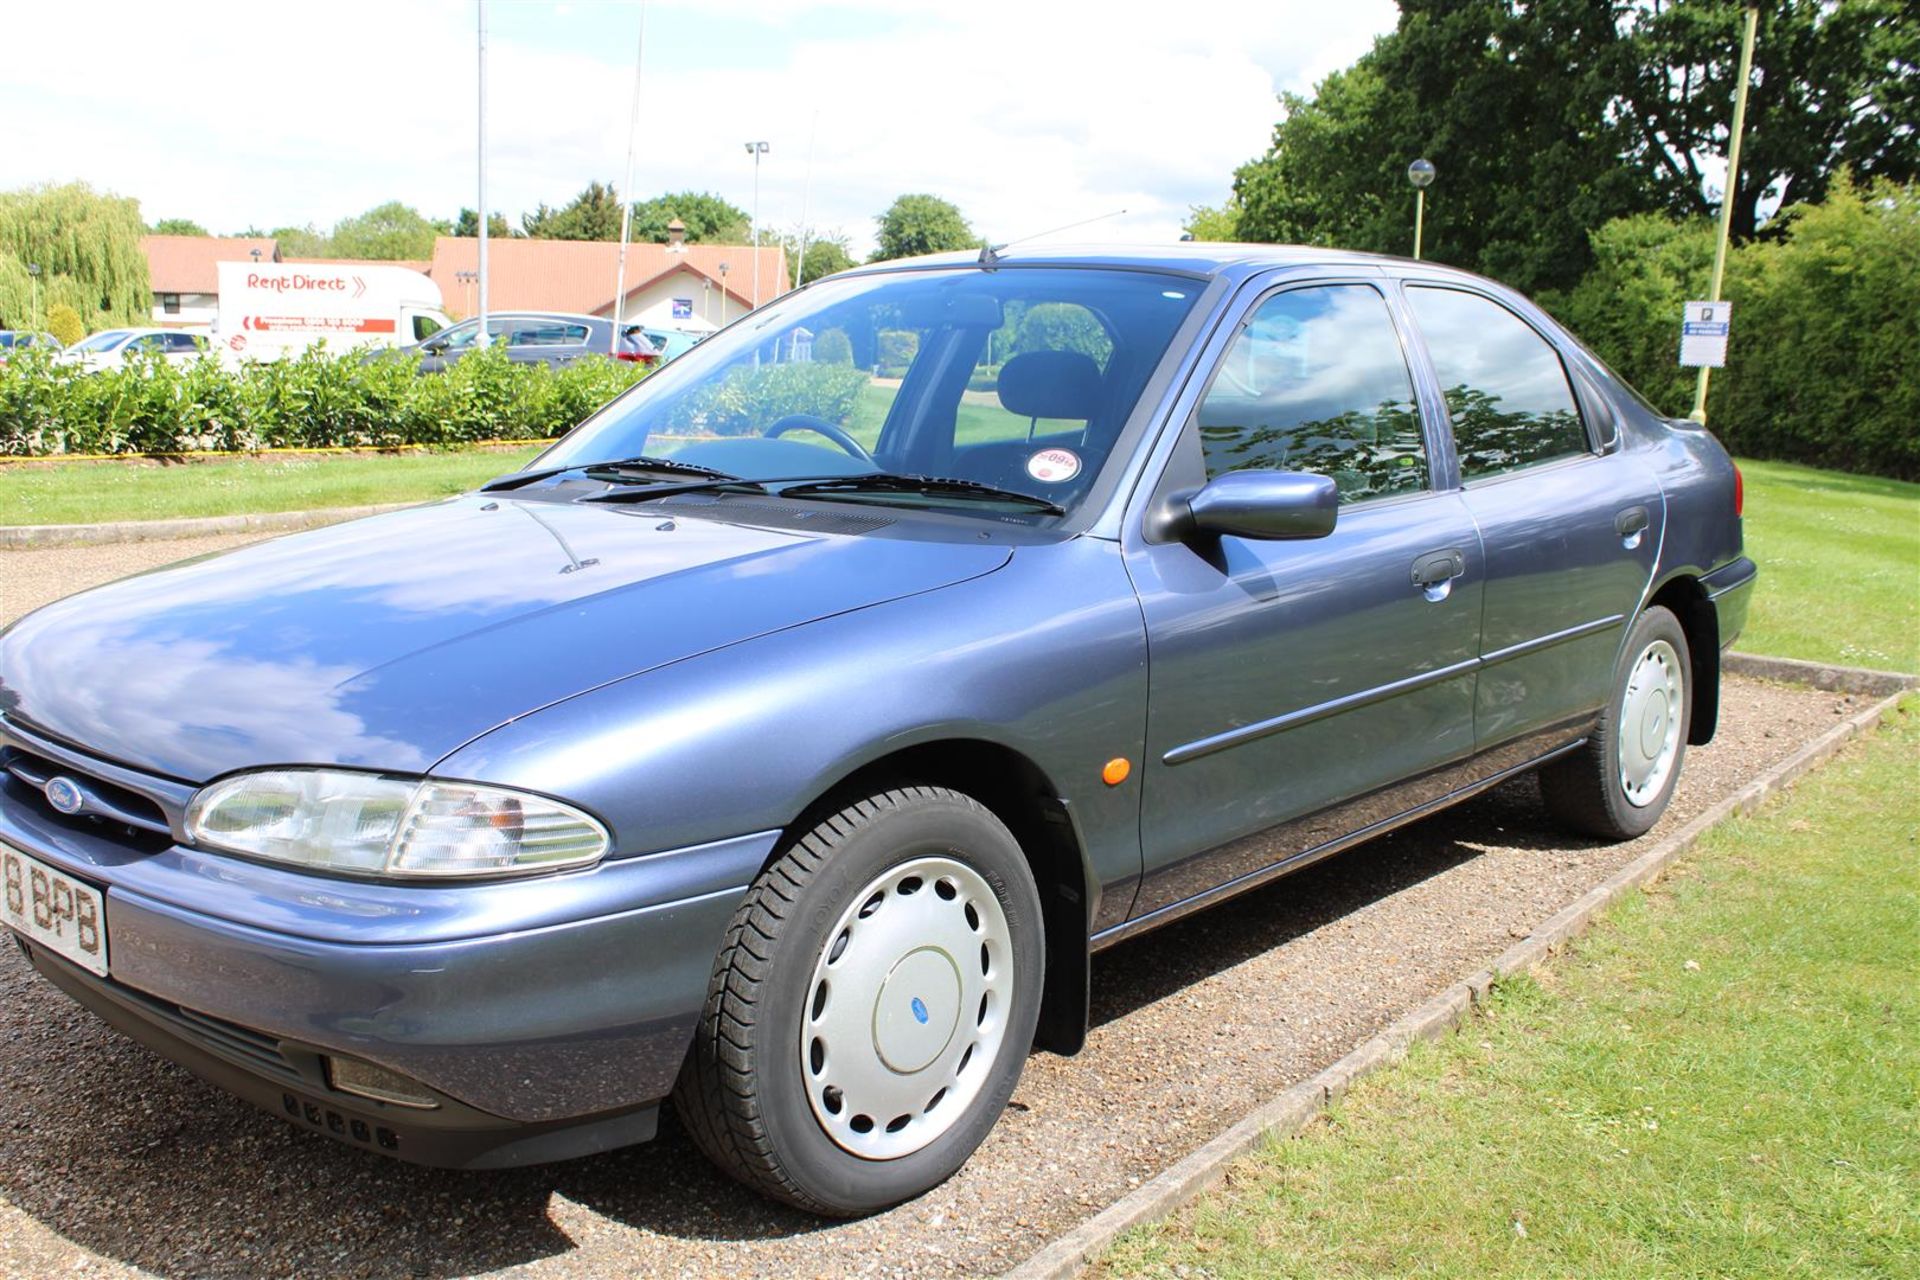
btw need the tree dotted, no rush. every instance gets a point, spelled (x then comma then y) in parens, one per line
(1206, 222)
(708, 218)
(1836, 83)
(1549, 119)
(594, 214)
(919, 223)
(390, 231)
(468, 225)
(179, 227)
(65, 324)
(301, 242)
(826, 254)
(87, 246)
(1510, 104)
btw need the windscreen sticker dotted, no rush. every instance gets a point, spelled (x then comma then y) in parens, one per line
(1054, 466)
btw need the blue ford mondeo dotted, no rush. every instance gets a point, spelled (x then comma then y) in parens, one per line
(783, 741)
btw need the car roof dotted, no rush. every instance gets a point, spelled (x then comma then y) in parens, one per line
(537, 315)
(1193, 257)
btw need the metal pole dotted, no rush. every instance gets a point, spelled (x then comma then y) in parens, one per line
(806, 190)
(756, 227)
(626, 194)
(483, 338)
(1419, 218)
(1699, 413)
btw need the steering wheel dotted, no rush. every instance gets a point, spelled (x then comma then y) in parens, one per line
(832, 431)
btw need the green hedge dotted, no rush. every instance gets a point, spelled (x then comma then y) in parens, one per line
(315, 401)
(1823, 366)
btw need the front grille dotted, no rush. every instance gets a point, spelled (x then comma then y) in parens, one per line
(105, 800)
(241, 1045)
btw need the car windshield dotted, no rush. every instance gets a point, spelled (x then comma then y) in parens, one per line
(106, 341)
(1016, 379)
(15, 340)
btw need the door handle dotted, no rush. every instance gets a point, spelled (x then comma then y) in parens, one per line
(1630, 524)
(1437, 567)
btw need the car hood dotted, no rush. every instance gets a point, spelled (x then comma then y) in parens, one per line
(387, 642)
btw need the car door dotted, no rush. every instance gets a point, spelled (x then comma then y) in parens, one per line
(546, 340)
(1303, 691)
(1571, 526)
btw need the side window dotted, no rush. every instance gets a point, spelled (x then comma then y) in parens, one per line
(547, 333)
(1506, 389)
(1317, 382)
(424, 327)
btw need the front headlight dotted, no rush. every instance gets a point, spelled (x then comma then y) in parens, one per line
(367, 824)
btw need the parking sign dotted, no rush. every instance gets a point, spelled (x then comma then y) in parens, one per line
(1703, 334)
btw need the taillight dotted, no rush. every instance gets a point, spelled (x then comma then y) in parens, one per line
(1739, 493)
(635, 357)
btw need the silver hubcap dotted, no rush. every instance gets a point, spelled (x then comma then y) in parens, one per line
(1650, 723)
(907, 1008)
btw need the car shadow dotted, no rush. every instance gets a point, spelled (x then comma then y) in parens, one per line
(131, 1157)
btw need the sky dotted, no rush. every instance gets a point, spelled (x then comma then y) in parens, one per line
(1027, 115)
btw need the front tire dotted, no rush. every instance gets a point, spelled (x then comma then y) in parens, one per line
(1618, 785)
(872, 1008)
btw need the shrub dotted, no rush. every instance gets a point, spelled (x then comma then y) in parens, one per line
(1823, 365)
(316, 400)
(750, 399)
(898, 347)
(833, 347)
(65, 324)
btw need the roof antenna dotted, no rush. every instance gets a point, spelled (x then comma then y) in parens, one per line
(990, 253)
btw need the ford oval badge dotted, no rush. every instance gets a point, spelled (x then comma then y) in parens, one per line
(64, 795)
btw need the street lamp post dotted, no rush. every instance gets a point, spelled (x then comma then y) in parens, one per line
(723, 295)
(33, 284)
(480, 338)
(1420, 174)
(756, 150)
(467, 279)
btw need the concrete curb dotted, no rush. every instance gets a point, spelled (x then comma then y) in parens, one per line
(1819, 675)
(1299, 1106)
(24, 537)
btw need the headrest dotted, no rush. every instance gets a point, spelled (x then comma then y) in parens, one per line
(1051, 384)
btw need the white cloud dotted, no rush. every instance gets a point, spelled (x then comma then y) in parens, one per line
(1026, 115)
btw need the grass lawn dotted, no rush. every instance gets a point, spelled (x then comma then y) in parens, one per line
(85, 492)
(1723, 1079)
(1839, 559)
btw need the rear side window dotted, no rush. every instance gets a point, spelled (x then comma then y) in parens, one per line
(1507, 391)
(547, 333)
(1317, 382)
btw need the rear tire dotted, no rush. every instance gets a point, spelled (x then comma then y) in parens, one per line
(1618, 785)
(872, 1008)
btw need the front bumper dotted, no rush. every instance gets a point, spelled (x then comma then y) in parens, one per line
(549, 1015)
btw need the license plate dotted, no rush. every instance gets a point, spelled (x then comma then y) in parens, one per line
(54, 910)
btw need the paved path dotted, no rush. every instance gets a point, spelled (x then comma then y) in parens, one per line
(113, 1160)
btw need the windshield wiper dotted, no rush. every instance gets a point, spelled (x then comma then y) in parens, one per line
(641, 466)
(890, 482)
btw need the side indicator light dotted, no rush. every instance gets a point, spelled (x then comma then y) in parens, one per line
(1116, 771)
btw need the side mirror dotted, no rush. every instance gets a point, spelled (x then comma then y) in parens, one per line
(1266, 505)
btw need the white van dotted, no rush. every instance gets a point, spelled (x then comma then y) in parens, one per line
(269, 310)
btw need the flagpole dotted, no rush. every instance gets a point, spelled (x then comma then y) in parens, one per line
(1732, 192)
(626, 192)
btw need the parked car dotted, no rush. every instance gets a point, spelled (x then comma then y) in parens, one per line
(23, 340)
(111, 348)
(534, 337)
(885, 704)
(671, 343)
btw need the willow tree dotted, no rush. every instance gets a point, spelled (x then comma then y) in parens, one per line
(87, 246)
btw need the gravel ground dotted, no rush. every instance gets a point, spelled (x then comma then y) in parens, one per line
(113, 1161)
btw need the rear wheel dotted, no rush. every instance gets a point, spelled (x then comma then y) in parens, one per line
(1618, 784)
(873, 1006)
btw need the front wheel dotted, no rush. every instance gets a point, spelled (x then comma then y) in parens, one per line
(872, 1008)
(1618, 784)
